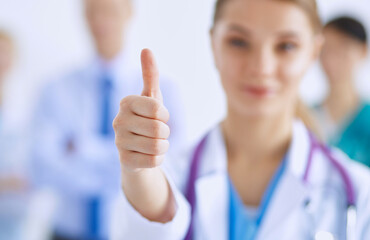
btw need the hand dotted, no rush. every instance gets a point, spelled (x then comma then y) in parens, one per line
(140, 126)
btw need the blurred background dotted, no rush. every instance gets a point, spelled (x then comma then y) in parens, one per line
(51, 38)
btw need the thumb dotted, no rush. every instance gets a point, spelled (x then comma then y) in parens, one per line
(150, 75)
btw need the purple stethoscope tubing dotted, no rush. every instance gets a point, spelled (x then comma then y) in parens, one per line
(190, 189)
(315, 145)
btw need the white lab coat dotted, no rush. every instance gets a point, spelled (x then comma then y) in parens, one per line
(288, 216)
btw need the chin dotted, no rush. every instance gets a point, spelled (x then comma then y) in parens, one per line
(257, 110)
(261, 105)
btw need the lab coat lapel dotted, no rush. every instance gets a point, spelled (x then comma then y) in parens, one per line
(211, 189)
(212, 205)
(282, 207)
(291, 184)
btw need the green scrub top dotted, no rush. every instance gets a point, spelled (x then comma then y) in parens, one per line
(354, 137)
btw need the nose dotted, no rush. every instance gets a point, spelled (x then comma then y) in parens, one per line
(262, 63)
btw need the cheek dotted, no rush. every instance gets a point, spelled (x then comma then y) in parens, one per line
(354, 58)
(5, 60)
(230, 66)
(295, 67)
(291, 71)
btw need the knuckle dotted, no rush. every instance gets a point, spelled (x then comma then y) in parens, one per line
(167, 115)
(155, 146)
(118, 142)
(159, 147)
(165, 146)
(156, 128)
(121, 144)
(126, 102)
(116, 123)
(167, 131)
(123, 103)
(155, 108)
(119, 122)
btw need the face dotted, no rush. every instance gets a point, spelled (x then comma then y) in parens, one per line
(107, 19)
(6, 57)
(262, 49)
(341, 55)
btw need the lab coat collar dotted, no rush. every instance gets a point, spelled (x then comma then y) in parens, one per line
(213, 172)
(215, 159)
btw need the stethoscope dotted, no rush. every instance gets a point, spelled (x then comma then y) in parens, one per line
(315, 145)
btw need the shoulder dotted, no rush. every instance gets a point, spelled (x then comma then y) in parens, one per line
(61, 90)
(366, 110)
(363, 112)
(61, 80)
(67, 80)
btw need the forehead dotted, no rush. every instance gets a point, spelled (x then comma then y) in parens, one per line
(332, 34)
(98, 4)
(266, 16)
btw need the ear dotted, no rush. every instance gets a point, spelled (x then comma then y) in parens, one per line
(365, 52)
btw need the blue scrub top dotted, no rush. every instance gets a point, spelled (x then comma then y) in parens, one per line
(242, 226)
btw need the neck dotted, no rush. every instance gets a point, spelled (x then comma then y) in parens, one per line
(109, 51)
(342, 100)
(257, 139)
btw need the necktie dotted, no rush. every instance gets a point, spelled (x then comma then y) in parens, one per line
(106, 130)
(106, 86)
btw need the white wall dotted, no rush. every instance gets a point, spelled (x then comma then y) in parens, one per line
(52, 38)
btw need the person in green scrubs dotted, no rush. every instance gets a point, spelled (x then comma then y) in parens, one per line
(344, 116)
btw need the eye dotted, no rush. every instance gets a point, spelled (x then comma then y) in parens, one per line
(287, 46)
(238, 42)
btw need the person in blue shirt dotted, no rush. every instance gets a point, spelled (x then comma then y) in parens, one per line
(74, 151)
(344, 115)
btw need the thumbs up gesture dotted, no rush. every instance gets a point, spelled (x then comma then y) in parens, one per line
(140, 126)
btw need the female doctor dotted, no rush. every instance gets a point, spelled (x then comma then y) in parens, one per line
(259, 174)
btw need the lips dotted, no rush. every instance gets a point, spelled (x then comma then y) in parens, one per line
(258, 91)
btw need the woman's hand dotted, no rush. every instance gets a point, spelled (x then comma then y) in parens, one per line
(141, 139)
(140, 126)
